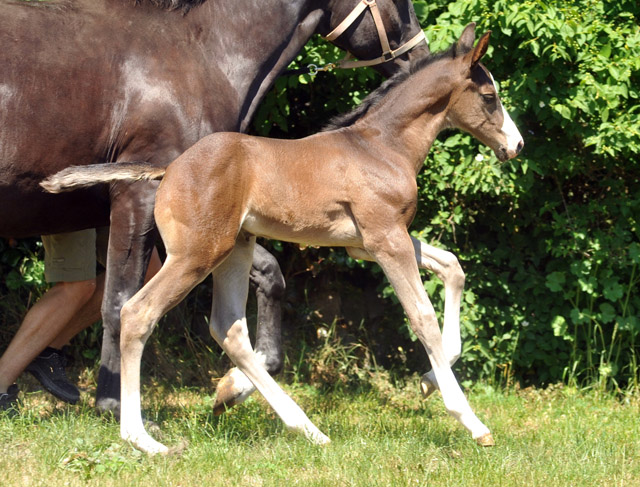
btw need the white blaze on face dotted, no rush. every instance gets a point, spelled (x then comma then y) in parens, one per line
(509, 129)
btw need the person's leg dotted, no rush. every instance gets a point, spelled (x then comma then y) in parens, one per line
(87, 315)
(49, 366)
(43, 322)
(65, 310)
(70, 262)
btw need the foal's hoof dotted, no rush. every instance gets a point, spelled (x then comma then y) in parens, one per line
(486, 440)
(225, 399)
(146, 444)
(319, 438)
(233, 389)
(426, 386)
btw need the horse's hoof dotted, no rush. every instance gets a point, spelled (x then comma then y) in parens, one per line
(311, 433)
(147, 444)
(225, 399)
(233, 389)
(486, 440)
(319, 438)
(108, 405)
(426, 386)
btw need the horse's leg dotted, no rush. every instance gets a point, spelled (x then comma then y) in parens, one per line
(131, 239)
(167, 288)
(446, 266)
(395, 253)
(229, 328)
(269, 283)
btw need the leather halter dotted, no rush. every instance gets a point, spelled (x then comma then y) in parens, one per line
(387, 53)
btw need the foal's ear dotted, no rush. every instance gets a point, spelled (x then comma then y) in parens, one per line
(468, 37)
(480, 49)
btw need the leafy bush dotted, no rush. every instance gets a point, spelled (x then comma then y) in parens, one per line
(22, 269)
(551, 241)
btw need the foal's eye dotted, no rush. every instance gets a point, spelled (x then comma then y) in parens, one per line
(489, 98)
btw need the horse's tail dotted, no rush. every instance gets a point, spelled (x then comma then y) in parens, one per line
(76, 177)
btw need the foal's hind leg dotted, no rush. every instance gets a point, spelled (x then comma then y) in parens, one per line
(395, 253)
(446, 266)
(235, 387)
(139, 315)
(229, 328)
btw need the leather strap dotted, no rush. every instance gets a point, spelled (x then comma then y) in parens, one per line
(387, 53)
(382, 34)
(350, 19)
(346, 62)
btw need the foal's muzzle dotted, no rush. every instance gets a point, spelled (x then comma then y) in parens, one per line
(513, 143)
(504, 153)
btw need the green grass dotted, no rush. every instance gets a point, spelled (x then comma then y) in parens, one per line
(383, 435)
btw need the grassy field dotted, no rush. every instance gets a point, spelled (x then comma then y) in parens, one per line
(382, 436)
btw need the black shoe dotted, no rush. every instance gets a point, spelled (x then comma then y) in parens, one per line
(9, 400)
(48, 368)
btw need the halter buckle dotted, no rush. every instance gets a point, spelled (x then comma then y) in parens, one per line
(388, 56)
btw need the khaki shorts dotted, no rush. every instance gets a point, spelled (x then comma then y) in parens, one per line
(70, 257)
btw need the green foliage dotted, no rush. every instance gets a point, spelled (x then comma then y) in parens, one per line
(336, 362)
(22, 265)
(550, 241)
(22, 283)
(299, 105)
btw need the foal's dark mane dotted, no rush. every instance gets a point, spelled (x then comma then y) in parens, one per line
(184, 5)
(349, 118)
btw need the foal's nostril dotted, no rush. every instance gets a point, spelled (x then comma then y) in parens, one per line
(520, 146)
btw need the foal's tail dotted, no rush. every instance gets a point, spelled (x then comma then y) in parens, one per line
(76, 177)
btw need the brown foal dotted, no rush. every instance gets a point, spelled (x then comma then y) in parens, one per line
(353, 187)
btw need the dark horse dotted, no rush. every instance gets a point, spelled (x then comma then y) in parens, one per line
(353, 187)
(94, 81)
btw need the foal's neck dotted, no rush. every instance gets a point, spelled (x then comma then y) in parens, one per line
(412, 115)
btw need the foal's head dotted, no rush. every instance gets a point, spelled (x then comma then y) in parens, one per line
(475, 106)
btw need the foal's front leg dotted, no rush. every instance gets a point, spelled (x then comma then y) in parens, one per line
(394, 251)
(446, 266)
